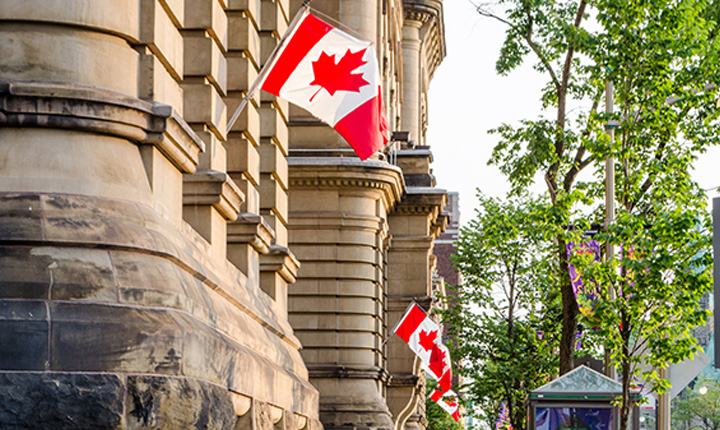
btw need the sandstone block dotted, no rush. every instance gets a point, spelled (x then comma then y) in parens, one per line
(273, 126)
(252, 195)
(109, 338)
(120, 17)
(204, 104)
(204, 58)
(161, 35)
(178, 403)
(274, 163)
(157, 84)
(243, 36)
(20, 217)
(208, 15)
(23, 336)
(68, 55)
(248, 123)
(61, 400)
(243, 157)
(273, 197)
(272, 17)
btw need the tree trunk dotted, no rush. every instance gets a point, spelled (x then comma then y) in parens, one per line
(570, 312)
(625, 366)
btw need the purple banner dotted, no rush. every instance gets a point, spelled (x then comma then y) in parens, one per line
(585, 292)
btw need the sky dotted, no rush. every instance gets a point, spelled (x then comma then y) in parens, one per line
(467, 98)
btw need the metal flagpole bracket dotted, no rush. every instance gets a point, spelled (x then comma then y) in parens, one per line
(268, 64)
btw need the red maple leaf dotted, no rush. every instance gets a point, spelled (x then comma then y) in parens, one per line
(437, 360)
(427, 340)
(339, 77)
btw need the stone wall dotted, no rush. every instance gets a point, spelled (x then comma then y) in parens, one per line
(161, 270)
(143, 245)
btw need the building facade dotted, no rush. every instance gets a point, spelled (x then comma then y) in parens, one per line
(159, 270)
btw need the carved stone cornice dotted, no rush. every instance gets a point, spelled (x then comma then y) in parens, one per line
(400, 302)
(405, 380)
(94, 110)
(347, 371)
(428, 201)
(430, 14)
(251, 229)
(213, 188)
(282, 261)
(347, 173)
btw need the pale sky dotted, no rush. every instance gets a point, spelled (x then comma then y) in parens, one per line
(467, 98)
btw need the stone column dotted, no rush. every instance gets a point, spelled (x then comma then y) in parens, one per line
(414, 224)
(412, 75)
(338, 228)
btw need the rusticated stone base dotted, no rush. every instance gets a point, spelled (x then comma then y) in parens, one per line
(61, 401)
(355, 414)
(56, 401)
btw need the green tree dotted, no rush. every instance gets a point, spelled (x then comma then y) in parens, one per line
(656, 52)
(662, 56)
(698, 410)
(505, 316)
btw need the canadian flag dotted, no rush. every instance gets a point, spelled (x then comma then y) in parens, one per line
(424, 337)
(448, 401)
(335, 77)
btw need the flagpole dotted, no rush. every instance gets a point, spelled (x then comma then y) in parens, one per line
(305, 6)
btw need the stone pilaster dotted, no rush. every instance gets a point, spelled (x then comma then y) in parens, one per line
(423, 47)
(414, 224)
(338, 229)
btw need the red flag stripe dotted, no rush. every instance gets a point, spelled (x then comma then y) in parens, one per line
(364, 129)
(436, 395)
(308, 33)
(445, 382)
(410, 322)
(456, 416)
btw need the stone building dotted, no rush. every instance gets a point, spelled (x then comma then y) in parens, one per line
(159, 270)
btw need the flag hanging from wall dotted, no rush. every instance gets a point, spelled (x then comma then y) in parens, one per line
(335, 77)
(448, 401)
(424, 337)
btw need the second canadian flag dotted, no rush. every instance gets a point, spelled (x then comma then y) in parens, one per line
(424, 337)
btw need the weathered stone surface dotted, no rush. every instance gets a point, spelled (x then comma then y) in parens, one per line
(77, 218)
(23, 336)
(177, 403)
(115, 339)
(154, 281)
(20, 217)
(21, 276)
(52, 401)
(78, 274)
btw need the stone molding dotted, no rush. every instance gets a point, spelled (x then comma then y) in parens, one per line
(282, 261)
(251, 229)
(94, 110)
(405, 380)
(399, 303)
(207, 187)
(348, 371)
(349, 173)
